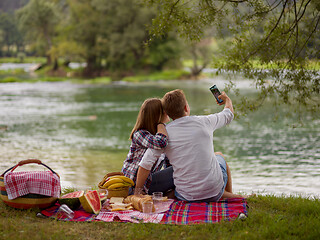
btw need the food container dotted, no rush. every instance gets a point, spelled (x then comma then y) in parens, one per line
(119, 192)
(28, 200)
(122, 192)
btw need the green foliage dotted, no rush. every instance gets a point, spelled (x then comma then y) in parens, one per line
(10, 37)
(12, 72)
(26, 60)
(37, 20)
(97, 80)
(110, 37)
(281, 35)
(9, 79)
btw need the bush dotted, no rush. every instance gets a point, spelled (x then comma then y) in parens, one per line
(10, 79)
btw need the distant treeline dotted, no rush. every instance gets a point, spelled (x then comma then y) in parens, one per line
(115, 37)
(109, 35)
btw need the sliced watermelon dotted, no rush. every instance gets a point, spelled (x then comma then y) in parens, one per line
(90, 201)
(71, 199)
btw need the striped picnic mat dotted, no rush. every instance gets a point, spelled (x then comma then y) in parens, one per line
(182, 212)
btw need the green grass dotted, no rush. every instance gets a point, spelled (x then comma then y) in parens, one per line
(311, 65)
(156, 76)
(97, 80)
(39, 79)
(25, 60)
(270, 217)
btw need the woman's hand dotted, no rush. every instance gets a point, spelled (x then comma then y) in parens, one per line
(165, 118)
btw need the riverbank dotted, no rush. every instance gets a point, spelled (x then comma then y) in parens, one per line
(74, 74)
(38, 73)
(15, 76)
(270, 217)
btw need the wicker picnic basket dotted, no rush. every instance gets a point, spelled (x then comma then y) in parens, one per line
(123, 192)
(29, 200)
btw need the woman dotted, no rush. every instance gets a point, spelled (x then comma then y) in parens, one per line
(148, 132)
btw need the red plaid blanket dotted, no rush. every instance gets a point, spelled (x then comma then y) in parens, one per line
(194, 213)
(45, 183)
(80, 215)
(179, 213)
(108, 216)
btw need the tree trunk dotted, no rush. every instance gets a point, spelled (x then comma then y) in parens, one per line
(55, 65)
(91, 67)
(49, 62)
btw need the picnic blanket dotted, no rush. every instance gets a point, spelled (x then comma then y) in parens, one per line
(80, 215)
(182, 212)
(45, 183)
(178, 212)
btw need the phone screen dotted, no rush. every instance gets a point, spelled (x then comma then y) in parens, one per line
(215, 91)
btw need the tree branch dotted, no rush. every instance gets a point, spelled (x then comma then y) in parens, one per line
(312, 32)
(272, 30)
(296, 14)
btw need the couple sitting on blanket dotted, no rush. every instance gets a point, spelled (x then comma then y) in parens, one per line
(184, 148)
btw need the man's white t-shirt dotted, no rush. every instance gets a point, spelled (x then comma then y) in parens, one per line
(196, 172)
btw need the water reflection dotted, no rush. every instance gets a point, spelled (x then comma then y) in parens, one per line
(82, 131)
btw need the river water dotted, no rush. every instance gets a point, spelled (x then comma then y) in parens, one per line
(81, 131)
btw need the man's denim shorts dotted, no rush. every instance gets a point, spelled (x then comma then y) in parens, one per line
(223, 166)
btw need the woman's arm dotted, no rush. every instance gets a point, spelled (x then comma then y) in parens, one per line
(147, 140)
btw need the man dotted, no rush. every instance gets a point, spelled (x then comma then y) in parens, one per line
(199, 174)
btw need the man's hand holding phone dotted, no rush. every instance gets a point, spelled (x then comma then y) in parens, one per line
(221, 98)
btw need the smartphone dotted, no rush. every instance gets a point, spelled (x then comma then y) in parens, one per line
(215, 91)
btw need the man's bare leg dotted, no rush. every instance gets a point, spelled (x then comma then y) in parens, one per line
(232, 195)
(228, 190)
(229, 182)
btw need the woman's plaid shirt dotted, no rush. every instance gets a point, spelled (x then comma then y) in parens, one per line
(141, 141)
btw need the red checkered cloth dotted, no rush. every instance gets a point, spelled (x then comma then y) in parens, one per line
(135, 216)
(45, 183)
(182, 212)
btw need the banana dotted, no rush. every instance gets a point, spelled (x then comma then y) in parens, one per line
(116, 185)
(124, 178)
(112, 181)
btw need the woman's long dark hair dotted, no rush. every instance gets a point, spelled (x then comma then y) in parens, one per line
(149, 116)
